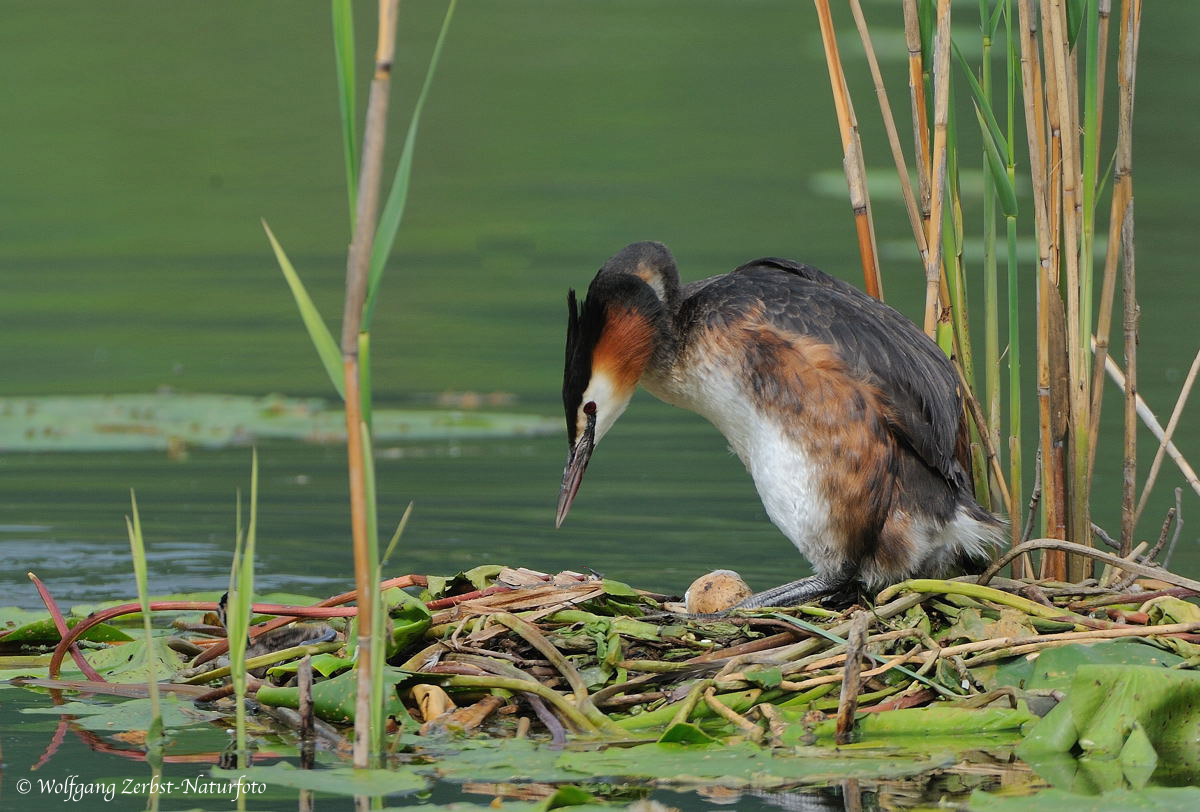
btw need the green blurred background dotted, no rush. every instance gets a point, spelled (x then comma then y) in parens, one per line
(143, 144)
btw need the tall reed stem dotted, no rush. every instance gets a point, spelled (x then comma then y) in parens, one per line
(920, 115)
(1036, 137)
(991, 283)
(357, 264)
(1122, 194)
(1021, 566)
(889, 124)
(941, 104)
(1129, 464)
(856, 173)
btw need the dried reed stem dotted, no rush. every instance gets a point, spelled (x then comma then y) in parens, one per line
(1035, 129)
(1157, 573)
(889, 124)
(941, 99)
(1151, 422)
(1122, 195)
(1129, 463)
(920, 117)
(856, 174)
(1184, 392)
(1063, 118)
(357, 262)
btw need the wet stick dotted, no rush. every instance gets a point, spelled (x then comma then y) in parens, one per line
(751, 730)
(848, 700)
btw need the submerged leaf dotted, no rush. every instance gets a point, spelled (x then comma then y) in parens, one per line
(155, 422)
(742, 765)
(133, 714)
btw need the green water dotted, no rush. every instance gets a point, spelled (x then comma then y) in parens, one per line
(141, 147)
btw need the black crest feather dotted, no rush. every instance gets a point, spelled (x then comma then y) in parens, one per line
(577, 368)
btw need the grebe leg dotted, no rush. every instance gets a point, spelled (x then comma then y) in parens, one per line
(839, 589)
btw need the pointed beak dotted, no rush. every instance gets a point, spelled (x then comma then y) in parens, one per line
(577, 463)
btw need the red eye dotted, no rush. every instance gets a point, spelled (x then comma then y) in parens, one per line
(589, 407)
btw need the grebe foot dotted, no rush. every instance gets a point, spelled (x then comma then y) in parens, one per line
(804, 590)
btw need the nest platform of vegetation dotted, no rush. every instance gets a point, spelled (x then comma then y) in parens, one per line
(501, 652)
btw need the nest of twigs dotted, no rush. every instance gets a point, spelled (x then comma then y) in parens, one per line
(512, 652)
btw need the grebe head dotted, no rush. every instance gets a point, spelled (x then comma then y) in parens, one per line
(610, 340)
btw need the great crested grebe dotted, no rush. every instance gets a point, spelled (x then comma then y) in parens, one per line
(847, 416)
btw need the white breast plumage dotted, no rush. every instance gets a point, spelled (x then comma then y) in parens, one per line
(788, 480)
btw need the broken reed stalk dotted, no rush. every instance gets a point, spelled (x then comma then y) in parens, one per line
(357, 264)
(856, 174)
(1184, 392)
(848, 699)
(941, 99)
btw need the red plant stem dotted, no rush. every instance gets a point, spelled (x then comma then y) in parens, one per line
(61, 624)
(221, 647)
(287, 614)
(60, 735)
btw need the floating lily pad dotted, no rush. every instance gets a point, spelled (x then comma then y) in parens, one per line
(336, 780)
(1151, 799)
(1124, 712)
(170, 421)
(134, 714)
(1054, 669)
(738, 765)
(43, 632)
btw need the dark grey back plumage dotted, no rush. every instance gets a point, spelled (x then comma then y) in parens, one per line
(876, 342)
